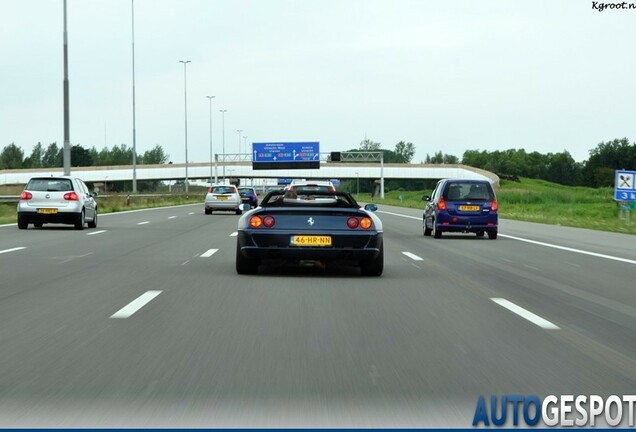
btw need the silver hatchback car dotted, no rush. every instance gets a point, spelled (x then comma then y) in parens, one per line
(60, 199)
(223, 197)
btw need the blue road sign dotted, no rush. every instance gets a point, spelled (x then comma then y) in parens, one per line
(624, 187)
(284, 181)
(286, 152)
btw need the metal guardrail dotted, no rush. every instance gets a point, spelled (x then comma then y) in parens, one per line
(9, 198)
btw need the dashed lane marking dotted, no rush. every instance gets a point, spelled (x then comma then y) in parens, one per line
(135, 305)
(526, 314)
(209, 253)
(413, 256)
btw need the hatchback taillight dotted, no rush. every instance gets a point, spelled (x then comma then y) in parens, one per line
(494, 206)
(26, 195)
(71, 196)
(210, 190)
(441, 205)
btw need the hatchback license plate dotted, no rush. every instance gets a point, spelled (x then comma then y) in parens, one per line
(469, 208)
(300, 240)
(47, 211)
(222, 197)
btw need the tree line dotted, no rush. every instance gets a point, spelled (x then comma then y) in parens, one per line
(12, 156)
(597, 171)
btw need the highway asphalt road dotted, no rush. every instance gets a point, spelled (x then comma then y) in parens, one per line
(144, 322)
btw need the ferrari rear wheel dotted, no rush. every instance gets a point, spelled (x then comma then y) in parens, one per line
(245, 265)
(375, 266)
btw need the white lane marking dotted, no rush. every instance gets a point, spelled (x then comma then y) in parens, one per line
(136, 304)
(401, 215)
(12, 249)
(9, 224)
(209, 253)
(185, 262)
(234, 234)
(191, 213)
(96, 232)
(530, 267)
(580, 251)
(506, 260)
(412, 256)
(171, 217)
(143, 223)
(524, 313)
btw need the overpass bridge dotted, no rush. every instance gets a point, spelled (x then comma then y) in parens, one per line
(243, 170)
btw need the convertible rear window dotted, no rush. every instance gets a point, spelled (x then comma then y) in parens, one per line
(315, 199)
(50, 185)
(468, 191)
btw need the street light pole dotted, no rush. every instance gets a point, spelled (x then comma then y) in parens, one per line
(211, 156)
(185, 99)
(240, 131)
(134, 137)
(223, 122)
(67, 139)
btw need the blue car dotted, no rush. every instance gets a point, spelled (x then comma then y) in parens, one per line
(248, 196)
(468, 206)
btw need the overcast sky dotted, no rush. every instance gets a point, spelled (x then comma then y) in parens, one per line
(546, 76)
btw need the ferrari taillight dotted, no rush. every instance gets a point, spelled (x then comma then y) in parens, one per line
(365, 223)
(353, 222)
(268, 221)
(256, 221)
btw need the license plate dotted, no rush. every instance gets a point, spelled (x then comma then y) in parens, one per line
(469, 208)
(300, 240)
(47, 211)
(222, 197)
(245, 199)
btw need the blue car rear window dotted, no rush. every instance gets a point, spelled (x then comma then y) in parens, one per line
(468, 191)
